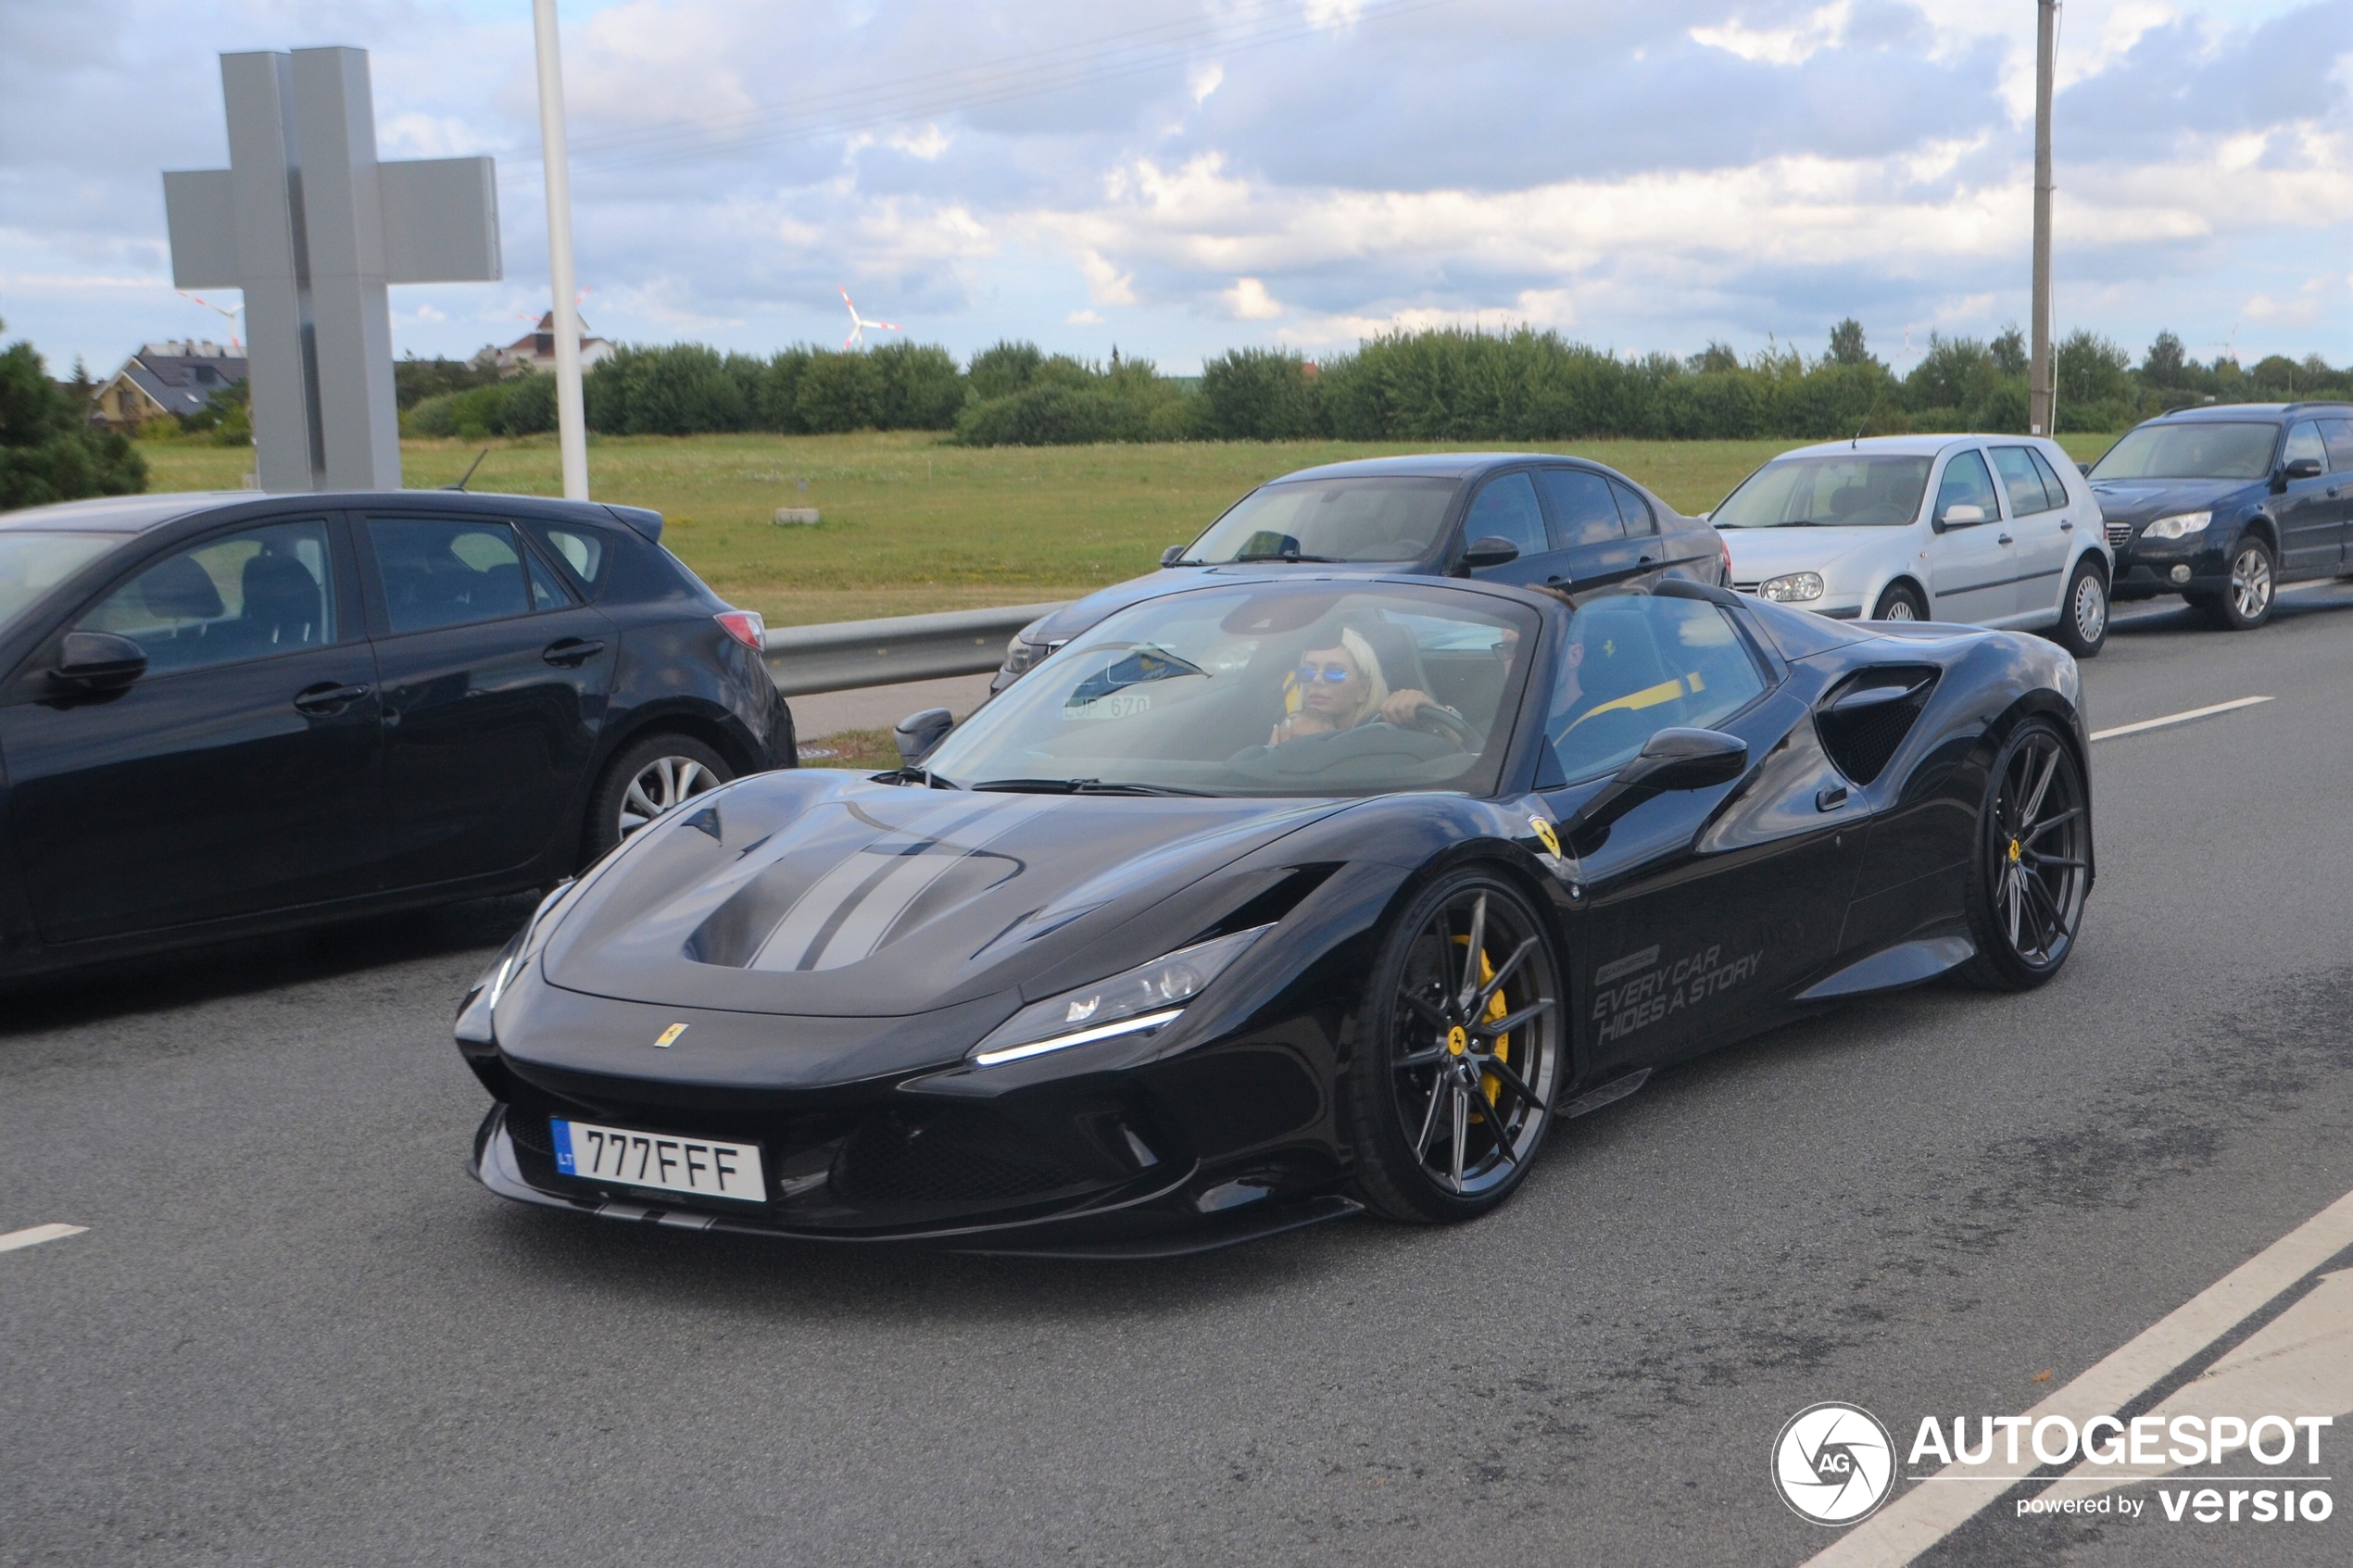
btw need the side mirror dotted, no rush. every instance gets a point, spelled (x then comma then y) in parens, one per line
(98, 662)
(2302, 468)
(1172, 555)
(2083, 468)
(1671, 759)
(1489, 551)
(919, 734)
(1960, 514)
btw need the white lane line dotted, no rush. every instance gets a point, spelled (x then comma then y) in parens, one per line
(2177, 717)
(37, 1235)
(1925, 1515)
(2176, 609)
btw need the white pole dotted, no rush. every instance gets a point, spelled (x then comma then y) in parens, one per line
(572, 424)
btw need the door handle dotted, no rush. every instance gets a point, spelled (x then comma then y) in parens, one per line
(1650, 560)
(2067, 528)
(2005, 539)
(569, 652)
(328, 697)
(1830, 799)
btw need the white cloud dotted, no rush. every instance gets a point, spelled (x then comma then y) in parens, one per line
(1249, 301)
(1789, 45)
(1203, 80)
(1084, 319)
(1106, 285)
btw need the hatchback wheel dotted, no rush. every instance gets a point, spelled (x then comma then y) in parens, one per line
(1901, 602)
(2083, 628)
(649, 778)
(2247, 603)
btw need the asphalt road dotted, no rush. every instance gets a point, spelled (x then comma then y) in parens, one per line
(295, 1332)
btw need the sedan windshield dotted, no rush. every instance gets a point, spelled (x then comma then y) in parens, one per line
(1332, 520)
(1848, 490)
(2208, 449)
(31, 564)
(1272, 688)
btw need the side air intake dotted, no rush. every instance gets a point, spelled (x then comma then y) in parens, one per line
(1867, 717)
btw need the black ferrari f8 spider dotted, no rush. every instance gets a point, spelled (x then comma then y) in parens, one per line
(1263, 903)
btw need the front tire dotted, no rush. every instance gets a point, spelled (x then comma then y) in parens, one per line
(2083, 628)
(2034, 863)
(1900, 602)
(1462, 1051)
(652, 775)
(2254, 588)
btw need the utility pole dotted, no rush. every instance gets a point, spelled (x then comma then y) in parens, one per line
(572, 424)
(2040, 375)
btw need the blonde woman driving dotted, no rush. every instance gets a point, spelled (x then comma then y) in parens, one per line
(1342, 688)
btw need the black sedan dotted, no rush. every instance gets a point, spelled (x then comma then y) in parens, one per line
(221, 714)
(2222, 504)
(1263, 903)
(1521, 518)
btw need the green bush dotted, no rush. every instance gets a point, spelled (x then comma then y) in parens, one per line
(681, 389)
(917, 387)
(1051, 414)
(48, 450)
(839, 392)
(1261, 395)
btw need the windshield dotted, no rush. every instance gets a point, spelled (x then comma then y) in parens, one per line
(31, 564)
(1849, 490)
(1351, 520)
(1272, 688)
(2208, 449)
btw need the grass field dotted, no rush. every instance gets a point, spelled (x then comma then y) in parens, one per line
(912, 526)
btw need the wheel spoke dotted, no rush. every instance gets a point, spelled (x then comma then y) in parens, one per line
(2034, 802)
(2011, 897)
(1429, 1118)
(1432, 1012)
(1462, 1120)
(1503, 972)
(2059, 926)
(1421, 1058)
(2062, 863)
(1502, 1139)
(2061, 820)
(1476, 952)
(1498, 1027)
(1511, 1081)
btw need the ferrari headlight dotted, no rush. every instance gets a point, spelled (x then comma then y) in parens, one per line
(1131, 1002)
(1797, 588)
(474, 1013)
(2181, 525)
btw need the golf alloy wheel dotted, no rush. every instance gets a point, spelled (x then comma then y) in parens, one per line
(662, 786)
(2089, 609)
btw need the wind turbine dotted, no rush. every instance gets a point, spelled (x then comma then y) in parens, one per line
(228, 313)
(858, 325)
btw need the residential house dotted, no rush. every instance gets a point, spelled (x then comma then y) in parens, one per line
(164, 379)
(536, 350)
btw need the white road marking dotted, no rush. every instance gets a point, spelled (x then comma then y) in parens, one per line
(2300, 1364)
(37, 1235)
(2176, 609)
(2177, 717)
(1925, 1515)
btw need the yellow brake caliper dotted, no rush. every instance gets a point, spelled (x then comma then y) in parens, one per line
(1496, 1008)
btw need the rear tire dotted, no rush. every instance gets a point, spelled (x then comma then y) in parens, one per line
(2082, 626)
(2033, 868)
(2254, 588)
(651, 776)
(1462, 1048)
(1900, 602)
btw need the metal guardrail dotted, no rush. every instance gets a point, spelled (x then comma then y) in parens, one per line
(848, 655)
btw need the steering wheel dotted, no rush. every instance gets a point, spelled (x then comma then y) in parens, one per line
(1449, 721)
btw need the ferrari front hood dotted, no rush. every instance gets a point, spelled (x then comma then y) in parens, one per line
(797, 894)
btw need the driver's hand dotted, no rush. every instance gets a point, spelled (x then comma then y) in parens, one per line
(1400, 707)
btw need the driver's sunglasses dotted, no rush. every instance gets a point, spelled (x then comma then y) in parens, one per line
(1334, 673)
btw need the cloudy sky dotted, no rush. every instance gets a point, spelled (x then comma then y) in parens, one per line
(1175, 177)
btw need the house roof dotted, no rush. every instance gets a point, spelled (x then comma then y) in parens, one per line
(182, 382)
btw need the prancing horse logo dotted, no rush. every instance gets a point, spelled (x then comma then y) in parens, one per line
(669, 1036)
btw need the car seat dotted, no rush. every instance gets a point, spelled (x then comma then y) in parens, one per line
(284, 606)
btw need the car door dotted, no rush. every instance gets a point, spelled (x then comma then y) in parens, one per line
(495, 683)
(1505, 508)
(1699, 903)
(2039, 524)
(2337, 433)
(1972, 556)
(2309, 509)
(239, 773)
(1597, 549)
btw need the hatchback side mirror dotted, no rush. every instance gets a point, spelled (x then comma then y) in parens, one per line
(1489, 551)
(1960, 514)
(1172, 555)
(2301, 468)
(1671, 759)
(98, 662)
(2083, 468)
(919, 734)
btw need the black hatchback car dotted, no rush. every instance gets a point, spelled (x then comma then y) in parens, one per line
(1525, 519)
(2222, 504)
(224, 713)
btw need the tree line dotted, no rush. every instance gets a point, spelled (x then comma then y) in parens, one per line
(1441, 384)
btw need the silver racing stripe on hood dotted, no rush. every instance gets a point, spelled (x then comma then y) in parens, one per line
(848, 913)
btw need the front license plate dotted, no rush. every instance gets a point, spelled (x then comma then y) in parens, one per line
(701, 1167)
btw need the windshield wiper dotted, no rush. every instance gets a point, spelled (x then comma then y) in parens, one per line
(1081, 786)
(1286, 555)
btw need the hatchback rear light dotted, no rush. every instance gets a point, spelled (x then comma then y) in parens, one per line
(747, 627)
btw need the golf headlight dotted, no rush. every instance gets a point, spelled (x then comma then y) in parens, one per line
(474, 1013)
(2178, 526)
(1132, 1002)
(1797, 588)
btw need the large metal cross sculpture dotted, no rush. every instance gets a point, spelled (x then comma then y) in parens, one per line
(313, 228)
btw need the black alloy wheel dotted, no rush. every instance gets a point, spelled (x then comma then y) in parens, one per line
(1462, 1053)
(2026, 894)
(652, 776)
(1900, 602)
(2254, 587)
(2083, 628)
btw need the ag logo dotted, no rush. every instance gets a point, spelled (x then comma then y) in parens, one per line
(1833, 1463)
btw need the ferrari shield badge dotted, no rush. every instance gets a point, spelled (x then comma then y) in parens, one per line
(1546, 836)
(669, 1036)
